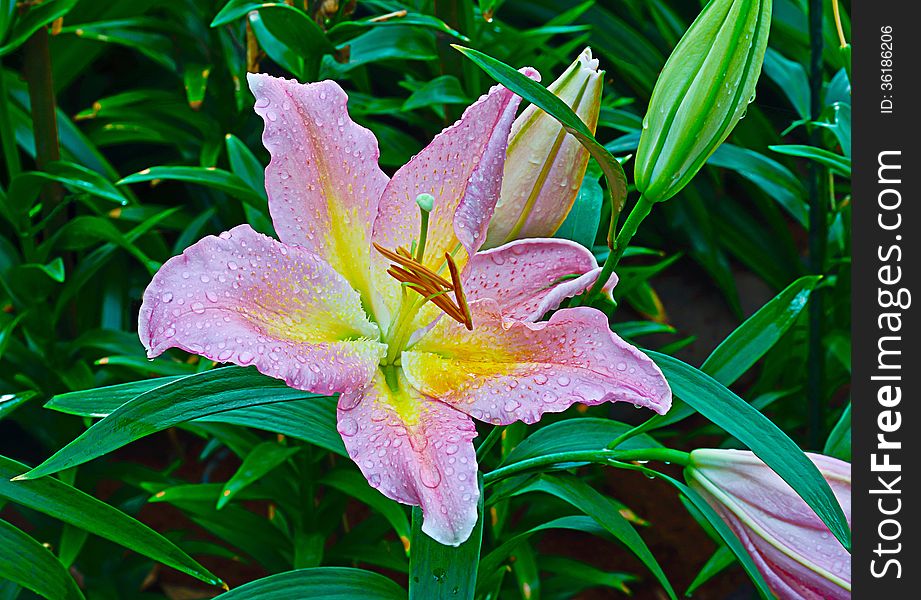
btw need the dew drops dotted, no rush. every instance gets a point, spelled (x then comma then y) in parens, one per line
(621, 366)
(197, 307)
(167, 297)
(211, 296)
(349, 402)
(430, 475)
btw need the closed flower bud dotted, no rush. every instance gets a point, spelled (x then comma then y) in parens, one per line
(791, 546)
(544, 165)
(702, 92)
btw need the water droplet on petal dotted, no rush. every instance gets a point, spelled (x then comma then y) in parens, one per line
(347, 427)
(430, 475)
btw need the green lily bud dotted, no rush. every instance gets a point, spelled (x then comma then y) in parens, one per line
(702, 92)
(544, 165)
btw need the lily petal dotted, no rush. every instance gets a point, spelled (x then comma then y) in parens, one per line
(529, 278)
(323, 181)
(505, 371)
(248, 299)
(416, 451)
(462, 168)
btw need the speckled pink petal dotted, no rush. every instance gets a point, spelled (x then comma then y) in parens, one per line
(462, 168)
(505, 371)
(416, 451)
(251, 300)
(323, 181)
(529, 278)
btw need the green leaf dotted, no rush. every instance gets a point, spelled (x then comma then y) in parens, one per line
(840, 125)
(739, 419)
(752, 339)
(491, 563)
(38, 16)
(439, 91)
(182, 400)
(537, 94)
(195, 80)
(34, 567)
(10, 402)
(346, 30)
(573, 576)
(262, 459)
(790, 77)
(328, 583)
(138, 33)
(745, 346)
(439, 571)
(353, 484)
(839, 440)
(581, 224)
(244, 164)
(68, 504)
(775, 179)
(311, 419)
(722, 558)
(290, 38)
(605, 512)
(218, 179)
(837, 163)
(235, 9)
(26, 187)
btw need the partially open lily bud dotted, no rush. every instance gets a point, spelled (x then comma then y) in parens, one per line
(702, 92)
(791, 546)
(544, 165)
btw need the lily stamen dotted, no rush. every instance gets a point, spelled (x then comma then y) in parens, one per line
(428, 284)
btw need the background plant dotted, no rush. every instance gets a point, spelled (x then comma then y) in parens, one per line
(128, 133)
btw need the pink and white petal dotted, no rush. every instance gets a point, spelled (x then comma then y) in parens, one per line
(505, 371)
(323, 180)
(416, 451)
(251, 300)
(462, 168)
(529, 278)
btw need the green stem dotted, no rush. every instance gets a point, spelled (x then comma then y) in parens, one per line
(7, 134)
(604, 457)
(37, 70)
(818, 226)
(620, 243)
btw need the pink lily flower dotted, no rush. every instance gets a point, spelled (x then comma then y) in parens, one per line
(353, 299)
(791, 546)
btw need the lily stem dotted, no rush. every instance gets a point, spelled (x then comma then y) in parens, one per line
(620, 243)
(818, 234)
(604, 457)
(37, 70)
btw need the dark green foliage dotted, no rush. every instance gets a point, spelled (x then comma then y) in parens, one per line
(185, 465)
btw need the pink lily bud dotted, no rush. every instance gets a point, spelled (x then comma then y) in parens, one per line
(544, 165)
(791, 546)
